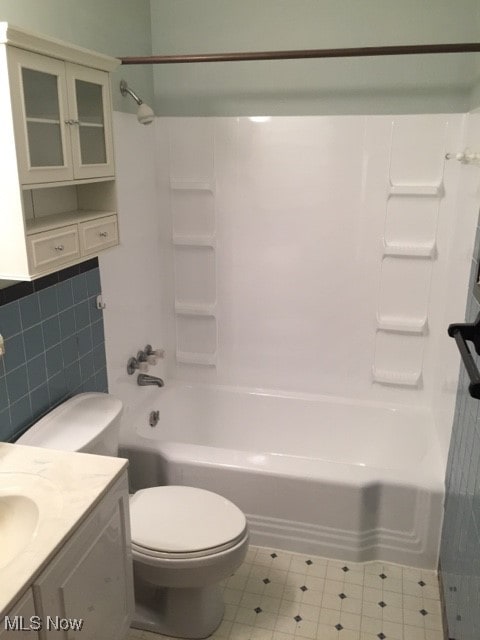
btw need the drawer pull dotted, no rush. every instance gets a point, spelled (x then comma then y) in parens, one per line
(103, 234)
(59, 247)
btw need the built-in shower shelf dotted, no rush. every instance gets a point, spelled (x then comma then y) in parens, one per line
(429, 190)
(194, 241)
(405, 379)
(184, 309)
(184, 184)
(403, 325)
(410, 250)
(205, 359)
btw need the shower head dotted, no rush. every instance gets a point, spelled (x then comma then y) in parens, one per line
(145, 114)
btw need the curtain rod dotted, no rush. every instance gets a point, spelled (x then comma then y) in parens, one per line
(355, 52)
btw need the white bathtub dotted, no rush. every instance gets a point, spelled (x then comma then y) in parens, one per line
(346, 480)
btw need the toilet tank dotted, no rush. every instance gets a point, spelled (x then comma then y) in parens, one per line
(87, 422)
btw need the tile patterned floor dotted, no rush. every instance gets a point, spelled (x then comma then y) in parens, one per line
(277, 595)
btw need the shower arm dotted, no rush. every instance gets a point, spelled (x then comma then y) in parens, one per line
(124, 89)
(352, 52)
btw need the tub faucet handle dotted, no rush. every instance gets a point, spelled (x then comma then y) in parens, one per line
(150, 351)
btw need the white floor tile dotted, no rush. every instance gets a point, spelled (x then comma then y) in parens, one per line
(277, 595)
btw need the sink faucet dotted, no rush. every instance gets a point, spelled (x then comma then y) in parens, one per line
(144, 380)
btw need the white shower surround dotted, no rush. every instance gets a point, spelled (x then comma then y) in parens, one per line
(352, 161)
(337, 478)
(279, 276)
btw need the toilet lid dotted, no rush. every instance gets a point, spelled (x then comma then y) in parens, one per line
(176, 519)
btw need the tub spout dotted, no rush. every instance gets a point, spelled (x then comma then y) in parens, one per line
(144, 380)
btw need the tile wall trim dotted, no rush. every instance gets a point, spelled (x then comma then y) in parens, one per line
(21, 289)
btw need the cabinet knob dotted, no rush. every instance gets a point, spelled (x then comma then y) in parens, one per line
(103, 234)
(59, 247)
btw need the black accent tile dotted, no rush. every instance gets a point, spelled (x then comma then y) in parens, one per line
(273, 555)
(69, 272)
(345, 569)
(338, 627)
(303, 588)
(309, 562)
(88, 265)
(382, 576)
(424, 612)
(422, 583)
(258, 610)
(342, 596)
(382, 604)
(45, 282)
(382, 636)
(17, 291)
(266, 581)
(297, 618)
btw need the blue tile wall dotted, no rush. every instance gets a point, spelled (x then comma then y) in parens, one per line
(54, 345)
(460, 550)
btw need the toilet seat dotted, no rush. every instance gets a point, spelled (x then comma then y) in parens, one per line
(176, 522)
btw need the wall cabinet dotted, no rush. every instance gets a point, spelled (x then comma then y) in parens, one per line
(88, 583)
(55, 107)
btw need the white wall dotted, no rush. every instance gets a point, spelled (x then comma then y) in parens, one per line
(131, 273)
(292, 283)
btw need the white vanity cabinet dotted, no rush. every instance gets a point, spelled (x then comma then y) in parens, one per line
(86, 591)
(20, 623)
(57, 162)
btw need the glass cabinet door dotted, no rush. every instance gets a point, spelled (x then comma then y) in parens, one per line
(89, 98)
(39, 109)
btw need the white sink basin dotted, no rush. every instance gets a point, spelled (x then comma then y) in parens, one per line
(19, 517)
(26, 501)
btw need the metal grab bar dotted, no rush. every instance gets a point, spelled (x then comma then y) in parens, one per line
(461, 333)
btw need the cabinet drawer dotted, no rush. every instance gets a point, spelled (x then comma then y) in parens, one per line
(99, 234)
(53, 247)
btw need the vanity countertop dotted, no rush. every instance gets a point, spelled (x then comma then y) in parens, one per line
(48, 492)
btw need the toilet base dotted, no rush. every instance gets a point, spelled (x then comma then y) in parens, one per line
(181, 613)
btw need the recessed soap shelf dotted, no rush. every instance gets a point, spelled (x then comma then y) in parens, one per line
(194, 241)
(407, 379)
(186, 309)
(403, 325)
(185, 184)
(428, 190)
(410, 250)
(205, 359)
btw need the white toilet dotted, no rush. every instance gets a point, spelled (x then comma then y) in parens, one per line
(185, 540)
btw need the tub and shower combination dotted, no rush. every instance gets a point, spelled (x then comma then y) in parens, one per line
(351, 480)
